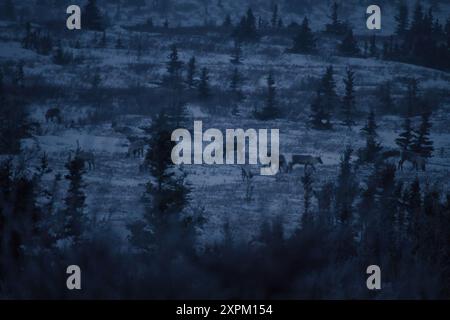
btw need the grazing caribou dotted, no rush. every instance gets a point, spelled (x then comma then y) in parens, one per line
(416, 160)
(52, 114)
(87, 157)
(305, 160)
(246, 173)
(136, 148)
(386, 155)
(284, 166)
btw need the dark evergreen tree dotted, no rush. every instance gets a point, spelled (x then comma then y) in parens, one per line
(191, 71)
(246, 30)
(204, 90)
(320, 116)
(75, 218)
(304, 41)
(92, 17)
(270, 110)
(348, 101)
(414, 212)
(274, 19)
(307, 216)
(165, 196)
(427, 22)
(437, 29)
(422, 144)
(14, 124)
(227, 23)
(236, 84)
(20, 217)
(325, 199)
(349, 45)
(336, 26)
(402, 18)
(174, 68)
(236, 55)
(404, 140)
(417, 25)
(370, 151)
(325, 101)
(328, 90)
(346, 189)
(61, 56)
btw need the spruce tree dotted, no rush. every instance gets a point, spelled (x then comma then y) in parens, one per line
(324, 102)
(165, 195)
(235, 84)
(191, 70)
(274, 19)
(304, 41)
(348, 101)
(402, 19)
(414, 209)
(204, 90)
(334, 15)
(422, 144)
(349, 45)
(307, 216)
(373, 147)
(14, 125)
(236, 55)
(417, 21)
(246, 29)
(336, 26)
(346, 189)
(270, 110)
(75, 219)
(92, 17)
(328, 90)
(404, 140)
(320, 116)
(227, 22)
(174, 68)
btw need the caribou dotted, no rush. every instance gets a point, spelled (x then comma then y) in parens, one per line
(52, 114)
(87, 157)
(416, 160)
(306, 160)
(136, 148)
